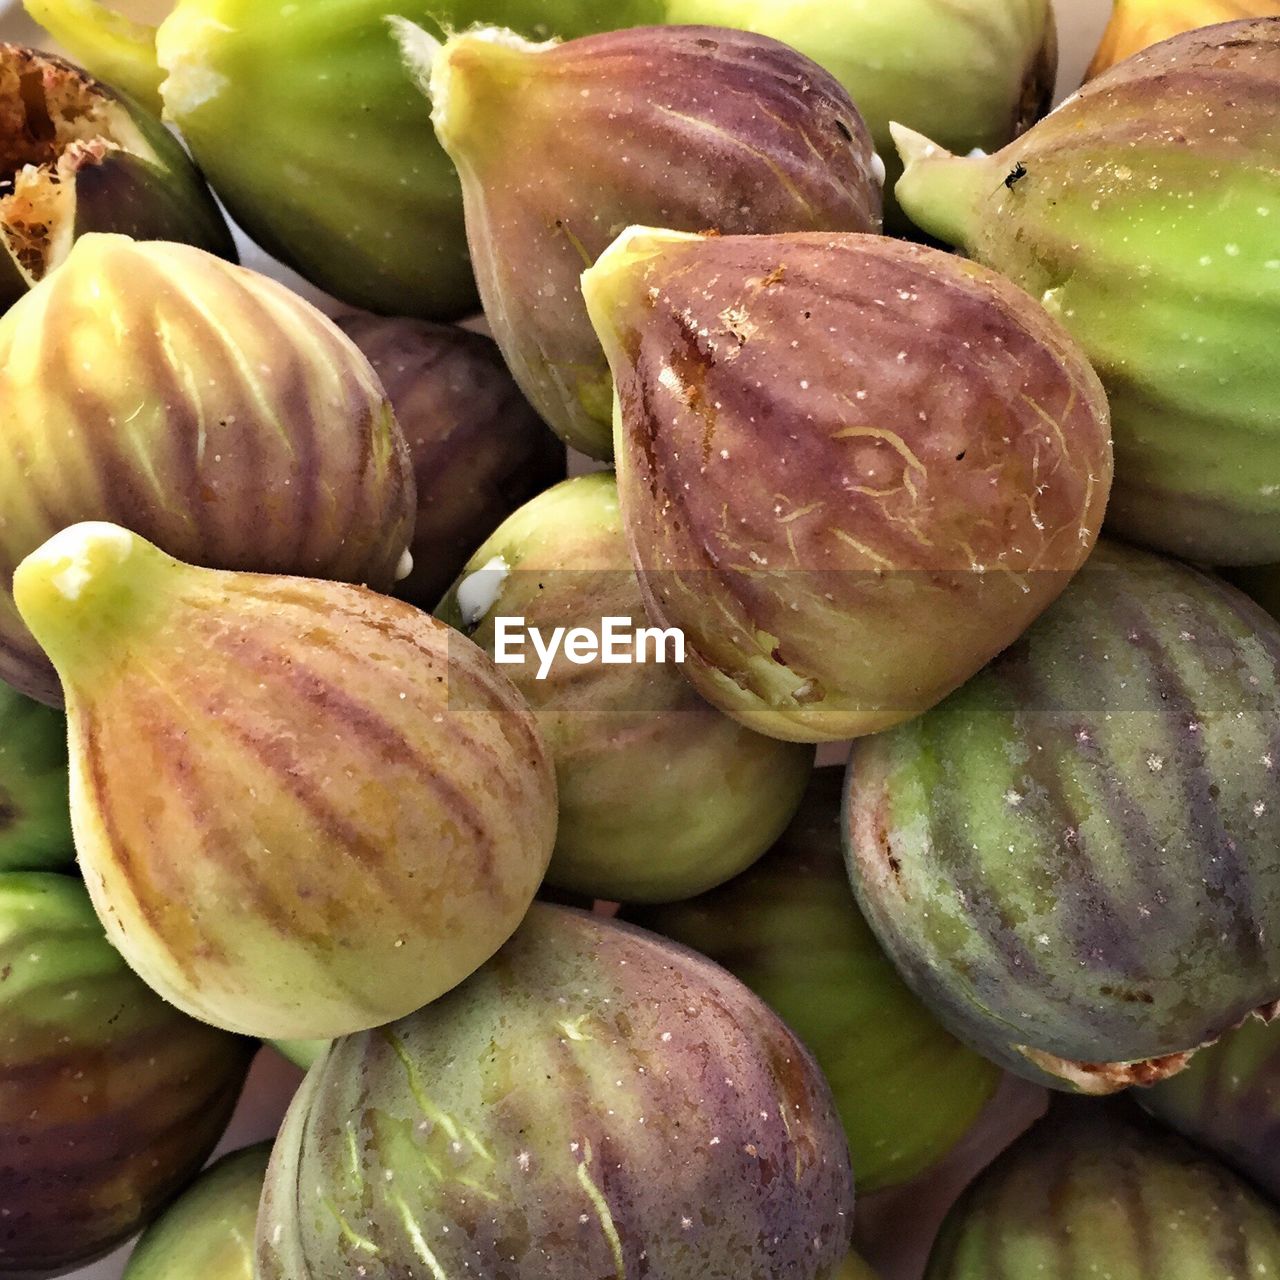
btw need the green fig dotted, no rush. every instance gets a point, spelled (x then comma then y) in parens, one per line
(301, 808)
(76, 156)
(204, 406)
(35, 823)
(1072, 859)
(661, 796)
(845, 506)
(208, 1233)
(302, 1053)
(788, 928)
(594, 1102)
(685, 127)
(855, 1269)
(110, 1100)
(1147, 220)
(479, 450)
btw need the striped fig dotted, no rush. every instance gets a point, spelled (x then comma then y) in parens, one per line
(661, 796)
(35, 825)
(1072, 859)
(301, 808)
(847, 508)
(1089, 1194)
(208, 1233)
(110, 1100)
(479, 451)
(76, 156)
(789, 929)
(203, 406)
(594, 1102)
(686, 127)
(1144, 214)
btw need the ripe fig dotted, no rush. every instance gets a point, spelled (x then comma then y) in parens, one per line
(110, 1100)
(479, 450)
(1072, 859)
(788, 928)
(208, 1233)
(76, 156)
(35, 825)
(594, 1102)
(1145, 219)
(1089, 1193)
(661, 796)
(301, 808)
(204, 406)
(687, 127)
(922, 497)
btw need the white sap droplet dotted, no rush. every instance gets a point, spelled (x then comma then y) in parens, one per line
(80, 546)
(478, 591)
(877, 168)
(404, 567)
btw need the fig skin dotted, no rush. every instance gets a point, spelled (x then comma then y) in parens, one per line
(205, 407)
(626, 1108)
(661, 796)
(35, 824)
(696, 128)
(1144, 217)
(110, 1100)
(855, 1269)
(789, 929)
(847, 510)
(1072, 859)
(479, 450)
(301, 808)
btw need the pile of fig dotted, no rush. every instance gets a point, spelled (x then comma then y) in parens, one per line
(715, 682)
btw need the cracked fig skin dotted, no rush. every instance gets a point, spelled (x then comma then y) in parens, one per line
(594, 1102)
(301, 808)
(847, 509)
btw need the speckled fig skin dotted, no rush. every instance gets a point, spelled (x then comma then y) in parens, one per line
(203, 406)
(1072, 859)
(110, 1100)
(1093, 1192)
(301, 808)
(1138, 24)
(479, 450)
(35, 825)
(594, 1102)
(695, 128)
(661, 796)
(848, 508)
(907, 1091)
(1142, 213)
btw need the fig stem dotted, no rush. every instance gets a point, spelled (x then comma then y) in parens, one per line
(939, 192)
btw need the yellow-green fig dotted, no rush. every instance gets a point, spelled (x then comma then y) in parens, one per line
(301, 808)
(35, 827)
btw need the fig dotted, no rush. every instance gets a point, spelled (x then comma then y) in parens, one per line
(208, 1233)
(714, 795)
(855, 1269)
(971, 73)
(1089, 1193)
(110, 1100)
(1145, 220)
(302, 1053)
(205, 407)
(846, 508)
(479, 450)
(35, 825)
(76, 156)
(311, 130)
(688, 127)
(301, 808)
(906, 1090)
(1072, 859)
(594, 1102)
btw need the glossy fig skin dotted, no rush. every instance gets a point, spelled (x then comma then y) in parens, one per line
(661, 796)
(1091, 1191)
(204, 406)
(35, 824)
(920, 499)
(718, 1156)
(696, 128)
(907, 1091)
(110, 1100)
(392, 805)
(479, 450)
(1072, 859)
(1143, 216)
